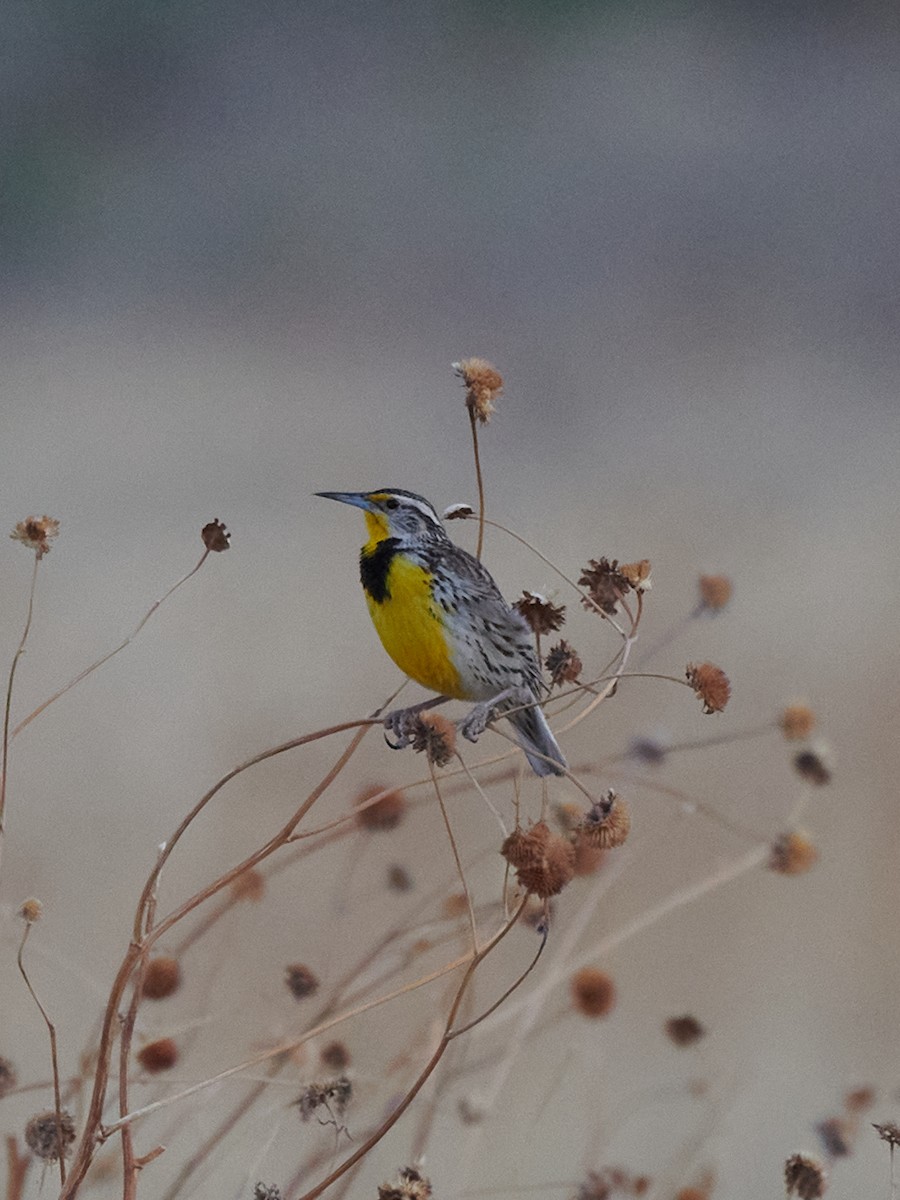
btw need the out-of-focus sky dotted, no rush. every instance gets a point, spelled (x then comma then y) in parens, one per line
(242, 245)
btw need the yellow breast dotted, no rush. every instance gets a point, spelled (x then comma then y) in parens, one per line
(411, 627)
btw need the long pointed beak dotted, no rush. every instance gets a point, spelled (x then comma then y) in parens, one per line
(357, 499)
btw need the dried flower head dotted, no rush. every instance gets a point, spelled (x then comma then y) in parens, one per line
(715, 592)
(36, 533)
(157, 1056)
(266, 1191)
(860, 1099)
(31, 910)
(332, 1095)
(607, 822)
(249, 885)
(47, 1137)
(399, 878)
(8, 1077)
(797, 721)
(436, 736)
(837, 1135)
(711, 684)
(793, 853)
(804, 1177)
(383, 814)
(455, 905)
(216, 537)
(301, 980)
(540, 614)
(335, 1056)
(814, 765)
(593, 992)
(588, 858)
(888, 1132)
(685, 1030)
(651, 751)
(483, 385)
(637, 574)
(458, 512)
(161, 978)
(563, 664)
(410, 1185)
(606, 586)
(544, 861)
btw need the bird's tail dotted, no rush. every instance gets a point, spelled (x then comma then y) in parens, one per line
(537, 740)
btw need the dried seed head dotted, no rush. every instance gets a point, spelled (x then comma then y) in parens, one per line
(436, 736)
(684, 1031)
(46, 1136)
(399, 879)
(32, 910)
(711, 684)
(888, 1132)
(36, 533)
(544, 861)
(383, 814)
(157, 1056)
(797, 721)
(814, 765)
(648, 750)
(606, 586)
(455, 905)
(593, 992)
(715, 592)
(607, 823)
(410, 1185)
(249, 885)
(793, 854)
(588, 858)
(266, 1191)
(216, 537)
(301, 981)
(637, 574)
(838, 1135)
(804, 1177)
(540, 614)
(693, 1192)
(334, 1095)
(8, 1077)
(859, 1100)
(162, 977)
(458, 512)
(483, 385)
(335, 1056)
(563, 664)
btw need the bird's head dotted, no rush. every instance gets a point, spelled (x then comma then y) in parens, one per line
(391, 512)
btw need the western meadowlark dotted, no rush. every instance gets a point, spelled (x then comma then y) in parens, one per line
(443, 621)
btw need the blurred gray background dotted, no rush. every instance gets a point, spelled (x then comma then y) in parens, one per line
(242, 245)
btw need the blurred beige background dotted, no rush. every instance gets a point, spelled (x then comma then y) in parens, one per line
(242, 246)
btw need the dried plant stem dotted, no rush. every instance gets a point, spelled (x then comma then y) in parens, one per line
(54, 1059)
(426, 1071)
(16, 1169)
(473, 421)
(111, 653)
(456, 859)
(4, 757)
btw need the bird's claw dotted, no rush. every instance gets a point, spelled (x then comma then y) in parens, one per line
(401, 723)
(476, 720)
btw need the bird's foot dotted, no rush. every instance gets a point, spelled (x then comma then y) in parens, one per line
(402, 722)
(477, 719)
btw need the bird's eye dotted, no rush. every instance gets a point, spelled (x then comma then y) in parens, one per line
(391, 503)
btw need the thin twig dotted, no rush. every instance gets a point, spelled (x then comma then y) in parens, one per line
(111, 653)
(51, 1029)
(480, 481)
(16, 1169)
(4, 759)
(456, 858)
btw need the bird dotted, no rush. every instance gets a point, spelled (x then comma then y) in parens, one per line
(444, 622)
